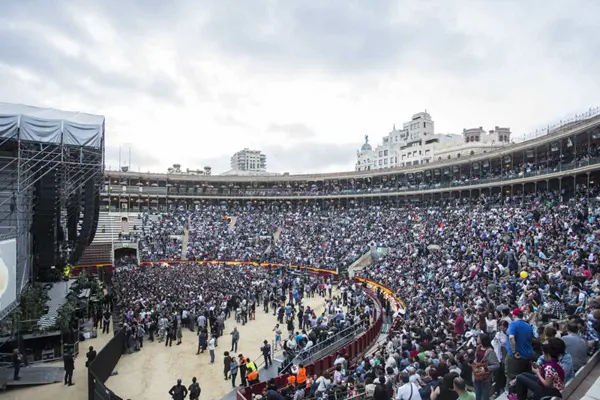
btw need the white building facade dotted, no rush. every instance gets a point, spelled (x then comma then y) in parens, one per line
(417, 143)
(249, 161)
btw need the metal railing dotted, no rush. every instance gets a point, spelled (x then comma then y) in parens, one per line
(327, 346)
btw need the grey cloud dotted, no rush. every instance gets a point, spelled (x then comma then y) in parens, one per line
(31, 52)
(347, 37)
(292, 131)
(230, 120)
(343, 36)
(163, 88)
(141, 159)
(218, 164)
(575, 42)
(309, 157)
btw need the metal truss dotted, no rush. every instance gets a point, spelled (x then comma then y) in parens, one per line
(22, 165)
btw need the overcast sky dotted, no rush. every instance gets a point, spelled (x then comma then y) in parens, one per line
(191, 81)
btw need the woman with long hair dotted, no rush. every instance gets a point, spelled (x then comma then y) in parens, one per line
(445, 391)
(486, 362)
(547, 380)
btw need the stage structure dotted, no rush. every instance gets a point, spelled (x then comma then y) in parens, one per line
(51, 169)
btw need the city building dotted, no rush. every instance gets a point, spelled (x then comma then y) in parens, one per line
(417, 143)
(247, 160)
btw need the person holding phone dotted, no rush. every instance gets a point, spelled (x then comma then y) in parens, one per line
(547, 380)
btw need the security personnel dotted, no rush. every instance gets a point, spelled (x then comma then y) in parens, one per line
(253, 378)
(69, 364)
(301, 375)
(243, 370)
(194, 390)
(178, 392)
(251, 365)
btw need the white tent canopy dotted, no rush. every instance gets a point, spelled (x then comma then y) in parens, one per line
(47, 125)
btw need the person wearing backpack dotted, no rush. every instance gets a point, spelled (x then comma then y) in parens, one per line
(194, 389)
(486, 362)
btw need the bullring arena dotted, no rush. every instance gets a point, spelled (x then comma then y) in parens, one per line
(388, 280)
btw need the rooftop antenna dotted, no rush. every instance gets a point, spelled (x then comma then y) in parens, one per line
(129, 156)
(119, 159)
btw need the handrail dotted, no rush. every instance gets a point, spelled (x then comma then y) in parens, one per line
(305, 355)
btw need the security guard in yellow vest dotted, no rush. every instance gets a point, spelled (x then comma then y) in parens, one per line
(250, 365)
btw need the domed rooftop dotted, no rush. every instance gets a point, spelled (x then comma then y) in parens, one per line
(366, 146)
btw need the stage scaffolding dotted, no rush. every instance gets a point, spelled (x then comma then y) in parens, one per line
(64, 152)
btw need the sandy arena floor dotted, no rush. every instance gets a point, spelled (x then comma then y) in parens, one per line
(150, 373)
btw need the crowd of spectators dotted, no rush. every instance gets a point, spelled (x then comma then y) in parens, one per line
(162, 302)
(528, 164)
(504, 301)
(521, 268)
(317, 333)
(496, 288)
(161, 236)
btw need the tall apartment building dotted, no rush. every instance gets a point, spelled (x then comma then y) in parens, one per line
(249, 161)
(417, 143)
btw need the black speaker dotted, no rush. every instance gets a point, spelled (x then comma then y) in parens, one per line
(46, 219)
(96, 217)
(90, 197)
(73, 209)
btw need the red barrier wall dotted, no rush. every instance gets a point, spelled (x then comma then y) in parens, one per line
(93, 269)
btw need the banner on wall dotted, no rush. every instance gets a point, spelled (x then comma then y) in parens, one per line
(8, 272)
(396, 301)
(332, 274)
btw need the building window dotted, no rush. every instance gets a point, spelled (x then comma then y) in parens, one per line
(477, 138)
(458, 155)
(380, 153)
(439, 158)
(385, 152)
(449, 156)
(472, 152)
(424, 125)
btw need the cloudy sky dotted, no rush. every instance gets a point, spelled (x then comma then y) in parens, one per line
(192, 81)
